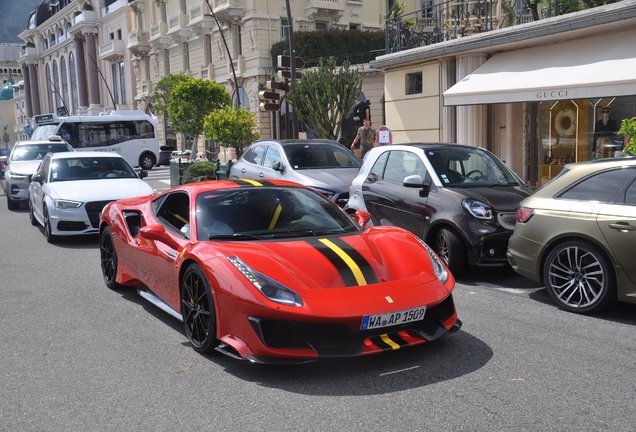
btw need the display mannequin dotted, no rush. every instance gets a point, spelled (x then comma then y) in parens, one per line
(603, 131)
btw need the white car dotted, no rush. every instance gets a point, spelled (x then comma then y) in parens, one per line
(22, 163)
(69, 190)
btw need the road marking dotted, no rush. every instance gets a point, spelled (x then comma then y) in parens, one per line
(398, 371)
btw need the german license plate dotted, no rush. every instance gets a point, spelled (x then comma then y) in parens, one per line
(392, 318)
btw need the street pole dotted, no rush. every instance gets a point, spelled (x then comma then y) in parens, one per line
(292, 58)
(229, 56)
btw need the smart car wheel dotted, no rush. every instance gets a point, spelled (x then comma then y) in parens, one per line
(50, 237)
(197, 309)
(450, 249)
(108, 256)
(579, 277)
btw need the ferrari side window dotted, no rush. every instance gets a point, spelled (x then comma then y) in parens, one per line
(174, 213)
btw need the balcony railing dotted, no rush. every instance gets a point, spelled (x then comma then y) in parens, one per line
(457, 18)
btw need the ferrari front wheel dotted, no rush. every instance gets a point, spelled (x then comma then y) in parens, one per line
(197, 309)
(108, 257)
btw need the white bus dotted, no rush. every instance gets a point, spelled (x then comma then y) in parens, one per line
(132, 134)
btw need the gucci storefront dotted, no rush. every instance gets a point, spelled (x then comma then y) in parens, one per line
(573, 94)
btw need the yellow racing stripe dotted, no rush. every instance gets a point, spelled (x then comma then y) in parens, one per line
(357, 273)
(272, 224)
(389, 342)
(252, 182)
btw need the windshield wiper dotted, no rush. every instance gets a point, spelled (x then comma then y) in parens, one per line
(235, 236)
(305, 233)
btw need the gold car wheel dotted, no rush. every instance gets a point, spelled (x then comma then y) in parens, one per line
(579, 277)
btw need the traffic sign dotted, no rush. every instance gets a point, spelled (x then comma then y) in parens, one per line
(275, 85)
(265, 95)
(384, 136)
(264, 106)
(287, 74)
(284, 61)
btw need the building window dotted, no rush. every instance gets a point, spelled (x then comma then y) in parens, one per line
(183, 6)
(164, 12)
(244, 99)
(427, 8)
(354, 27)
(74, 94)
(114, 69)
(122, 82)
(207, 50)
(236, 41)
(284, 29)
(414, 83)
(321, 25)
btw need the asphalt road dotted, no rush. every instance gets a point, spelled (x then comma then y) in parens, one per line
(76, 356)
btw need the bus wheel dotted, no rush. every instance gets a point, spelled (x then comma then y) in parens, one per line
(146, 161)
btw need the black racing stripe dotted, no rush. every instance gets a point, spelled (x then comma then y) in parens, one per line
(364, 265)
(345, 272)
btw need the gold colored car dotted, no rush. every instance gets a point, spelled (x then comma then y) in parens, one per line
(577, 234)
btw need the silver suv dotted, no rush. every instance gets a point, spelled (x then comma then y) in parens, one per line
(22, 164)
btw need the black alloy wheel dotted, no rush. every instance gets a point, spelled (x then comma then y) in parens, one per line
(12, 205)
(197, 309)
(579, 277)
(108, 256)
(48, 232)
(450, 249)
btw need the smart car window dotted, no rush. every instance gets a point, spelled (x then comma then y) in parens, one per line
(380, 165)
(395, 171)
(601, 187)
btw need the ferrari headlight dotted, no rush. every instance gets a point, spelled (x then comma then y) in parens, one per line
(269, 287)
(66, 204)
(478, 209)
(438, 266)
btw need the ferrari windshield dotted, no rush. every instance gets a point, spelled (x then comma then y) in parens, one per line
(266, 213)
(470, 167)
(323, 155)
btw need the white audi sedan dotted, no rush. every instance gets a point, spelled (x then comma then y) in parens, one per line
(69, 190)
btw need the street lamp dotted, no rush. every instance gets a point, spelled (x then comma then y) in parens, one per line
(229, 56)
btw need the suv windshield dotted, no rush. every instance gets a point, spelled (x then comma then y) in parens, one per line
(470, 167)
(309, 156)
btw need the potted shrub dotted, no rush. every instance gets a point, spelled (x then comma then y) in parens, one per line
(199, 171)
(628, 128)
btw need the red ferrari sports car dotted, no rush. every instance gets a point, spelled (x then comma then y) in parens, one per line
(274, 272)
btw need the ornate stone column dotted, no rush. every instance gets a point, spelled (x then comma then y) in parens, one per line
(472, 126)
(82, 90)
(35, 90)
(27, 91)
(93, 77)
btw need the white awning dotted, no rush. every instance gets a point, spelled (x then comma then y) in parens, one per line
(587, 68)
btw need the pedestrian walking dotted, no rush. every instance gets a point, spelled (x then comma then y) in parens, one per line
(366, 136)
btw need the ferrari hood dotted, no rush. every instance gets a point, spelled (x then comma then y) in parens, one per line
(24, 167)
(501, 198)
(100, 189)
(336, 179)
(371, 257)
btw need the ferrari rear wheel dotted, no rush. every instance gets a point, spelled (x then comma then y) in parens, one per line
(108, 256)
(451, 250)
(197, 309)
(579, 277)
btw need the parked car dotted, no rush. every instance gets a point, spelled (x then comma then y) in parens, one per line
(164, 155)
(577, 233)
(69, 190)
(323, 165)
(24, 159)
(461, 200)
(273, 272)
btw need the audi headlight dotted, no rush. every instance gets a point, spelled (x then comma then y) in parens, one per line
(66, 204)
(268, 287)
(14, 176)
(438, 266)
(478, 209)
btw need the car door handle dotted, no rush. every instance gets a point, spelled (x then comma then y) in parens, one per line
(622, 226)
(261, 175)
(243, 170)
